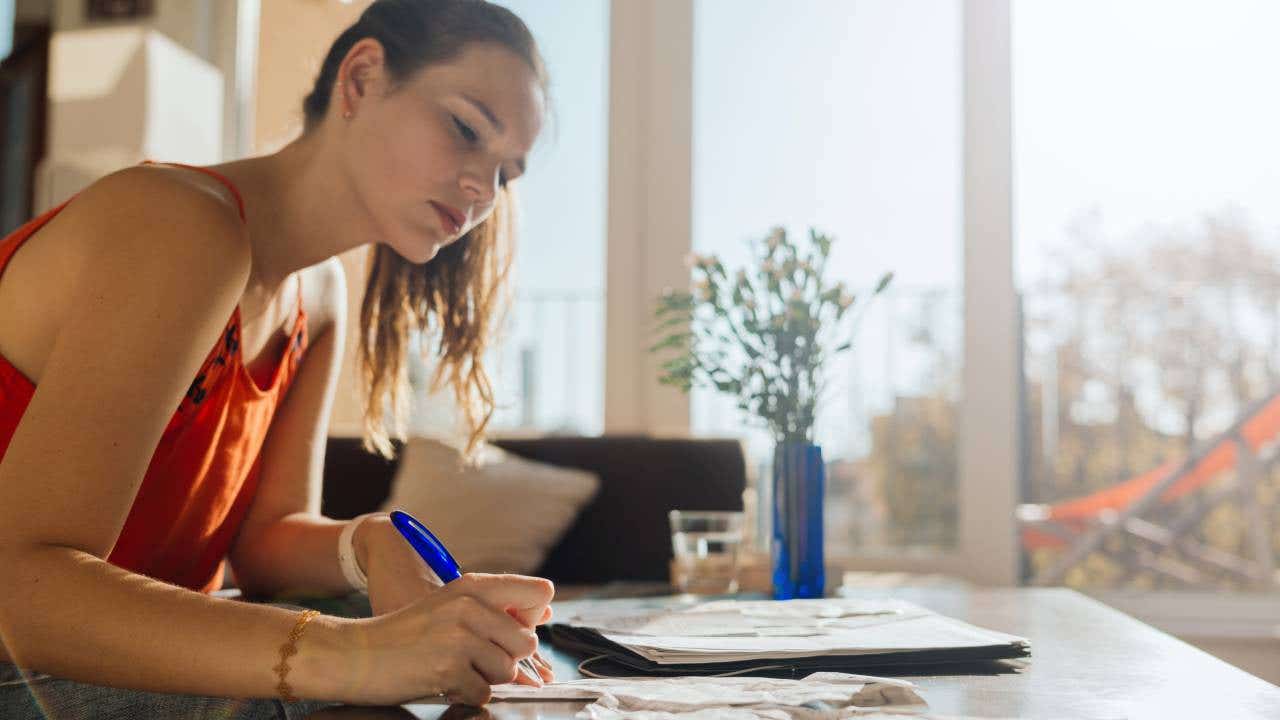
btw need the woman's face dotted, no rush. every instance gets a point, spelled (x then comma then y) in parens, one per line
(431, 153)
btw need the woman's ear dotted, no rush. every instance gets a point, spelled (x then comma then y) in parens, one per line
(361, 75)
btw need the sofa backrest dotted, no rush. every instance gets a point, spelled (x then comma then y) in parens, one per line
(622, 534)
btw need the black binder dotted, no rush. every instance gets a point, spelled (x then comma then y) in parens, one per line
(607, 658)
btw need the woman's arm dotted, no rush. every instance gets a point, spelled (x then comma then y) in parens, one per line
(285, 547)
(166, 265)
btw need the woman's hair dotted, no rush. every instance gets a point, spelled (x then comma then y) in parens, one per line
(462, 291)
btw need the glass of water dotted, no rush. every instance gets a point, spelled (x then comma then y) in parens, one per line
(705, 544)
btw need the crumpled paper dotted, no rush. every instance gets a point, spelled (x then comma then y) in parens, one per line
(819, 696)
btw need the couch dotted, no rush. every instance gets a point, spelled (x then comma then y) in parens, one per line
(622, 534)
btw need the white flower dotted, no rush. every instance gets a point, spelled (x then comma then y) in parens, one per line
(775, 238)
(703, 287)
(694, 259)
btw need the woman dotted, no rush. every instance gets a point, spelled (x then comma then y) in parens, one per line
(116, 510)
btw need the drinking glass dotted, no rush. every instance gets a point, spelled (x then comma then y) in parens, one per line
(706, 545)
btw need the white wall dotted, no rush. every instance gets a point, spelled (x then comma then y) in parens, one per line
(208, 28)
(186, 22)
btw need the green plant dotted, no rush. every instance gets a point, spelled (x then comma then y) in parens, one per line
(762, 335)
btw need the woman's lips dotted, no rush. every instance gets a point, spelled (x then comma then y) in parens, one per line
(451, 219)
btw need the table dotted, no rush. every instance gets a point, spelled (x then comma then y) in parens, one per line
(1087, 661)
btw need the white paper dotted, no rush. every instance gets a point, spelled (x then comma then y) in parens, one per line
(729, 698)
(729, 630)
(728, 618)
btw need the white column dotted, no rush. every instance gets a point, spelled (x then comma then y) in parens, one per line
(988, 413)
(236, 51)
(650, 204)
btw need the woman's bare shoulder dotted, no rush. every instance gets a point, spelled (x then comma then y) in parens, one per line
(145, 197)
(174, 218)
(165, 267)
(128, 229)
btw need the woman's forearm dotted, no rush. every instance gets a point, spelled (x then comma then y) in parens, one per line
(73, 615)
(297, 555)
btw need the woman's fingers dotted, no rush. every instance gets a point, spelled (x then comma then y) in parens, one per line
(528, 596)
(523, 678)
(499, 628)
(544, 667)
(492, 662)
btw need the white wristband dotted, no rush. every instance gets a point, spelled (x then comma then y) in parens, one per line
(347, 555)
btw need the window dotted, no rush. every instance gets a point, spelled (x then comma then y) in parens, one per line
(1148, 259)
(847, 117)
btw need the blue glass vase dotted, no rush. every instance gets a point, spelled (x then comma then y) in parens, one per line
(799, 478)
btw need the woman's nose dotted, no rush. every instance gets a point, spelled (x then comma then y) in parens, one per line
(481, 186)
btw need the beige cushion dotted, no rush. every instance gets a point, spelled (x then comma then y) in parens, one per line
(503, 514)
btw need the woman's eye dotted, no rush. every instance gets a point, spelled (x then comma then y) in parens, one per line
(502, 179)
(465, 130)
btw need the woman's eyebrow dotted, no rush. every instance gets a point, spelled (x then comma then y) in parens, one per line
(497, 124)
(488, 114)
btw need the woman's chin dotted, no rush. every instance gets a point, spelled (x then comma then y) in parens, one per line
(430, 254)
(418, 252)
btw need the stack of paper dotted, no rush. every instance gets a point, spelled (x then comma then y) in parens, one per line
(731, 634)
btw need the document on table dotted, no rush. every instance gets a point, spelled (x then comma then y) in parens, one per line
(702, 698)
(728, 631)
(820, 696)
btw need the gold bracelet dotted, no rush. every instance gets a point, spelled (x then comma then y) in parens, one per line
(289, 649)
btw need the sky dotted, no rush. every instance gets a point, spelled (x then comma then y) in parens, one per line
(1150, 111)
(563, 200)
(845, 115)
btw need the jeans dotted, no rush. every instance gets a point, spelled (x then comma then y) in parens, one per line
(25, 694)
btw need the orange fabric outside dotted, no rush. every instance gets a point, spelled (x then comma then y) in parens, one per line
(204, 471)
(1259, 430)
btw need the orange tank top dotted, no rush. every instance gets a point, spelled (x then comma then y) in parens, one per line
(204, 471)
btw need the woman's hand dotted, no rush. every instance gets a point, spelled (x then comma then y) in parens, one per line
(545, 674)
(456, 641)
(397, 575)
(544, 671)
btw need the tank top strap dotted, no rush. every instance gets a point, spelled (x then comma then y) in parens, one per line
(10, 243)
(213, 174)
(299, 274)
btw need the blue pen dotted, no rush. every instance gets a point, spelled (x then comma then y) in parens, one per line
(442, 563)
